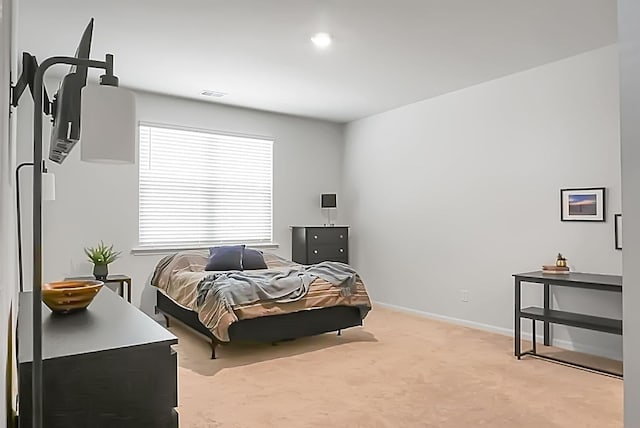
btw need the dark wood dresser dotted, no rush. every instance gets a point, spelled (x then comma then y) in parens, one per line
(107, 366)
(315, 244)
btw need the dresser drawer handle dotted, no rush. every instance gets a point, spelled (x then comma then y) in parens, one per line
(315, 251)
(315, 236)
(341, 236)
(341, 250)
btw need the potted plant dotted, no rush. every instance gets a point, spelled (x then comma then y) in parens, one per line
(101, 256)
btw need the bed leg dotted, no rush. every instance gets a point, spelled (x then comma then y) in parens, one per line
(213, 350)
(339, 332)
(166, 320)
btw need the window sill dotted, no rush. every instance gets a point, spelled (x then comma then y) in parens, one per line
(146, 251)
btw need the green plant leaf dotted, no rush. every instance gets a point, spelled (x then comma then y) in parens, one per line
(101, 254)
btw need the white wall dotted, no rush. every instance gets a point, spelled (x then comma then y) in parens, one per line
(460, 191)
(8, 280)
(629, 39)
(95, 202)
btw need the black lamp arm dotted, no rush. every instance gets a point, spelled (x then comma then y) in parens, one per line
(19, 223)
(26, 79)
(19, 220)
(30, 65)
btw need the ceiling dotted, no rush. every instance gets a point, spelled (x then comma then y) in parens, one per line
(385, 53)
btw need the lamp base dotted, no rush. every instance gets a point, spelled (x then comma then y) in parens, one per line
(328, 223)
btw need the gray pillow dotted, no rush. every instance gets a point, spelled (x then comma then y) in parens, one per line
(226, 257)
(253, 259)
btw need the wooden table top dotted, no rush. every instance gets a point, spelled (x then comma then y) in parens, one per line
(117, 277)
(595, 279)
(108, 323)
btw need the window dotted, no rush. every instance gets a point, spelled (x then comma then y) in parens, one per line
(199, 188)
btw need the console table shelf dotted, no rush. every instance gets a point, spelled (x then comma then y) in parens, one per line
(589, 322)
(548, 316)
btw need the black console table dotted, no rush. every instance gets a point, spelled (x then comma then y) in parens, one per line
(549, 316)
(121, 280)
(107, 366)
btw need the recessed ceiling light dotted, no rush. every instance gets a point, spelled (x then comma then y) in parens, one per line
(321, 40)
(216, 94)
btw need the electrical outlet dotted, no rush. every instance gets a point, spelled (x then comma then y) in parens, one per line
(464, 295)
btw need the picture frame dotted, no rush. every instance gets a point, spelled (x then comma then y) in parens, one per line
(617, 230)
(583, 204)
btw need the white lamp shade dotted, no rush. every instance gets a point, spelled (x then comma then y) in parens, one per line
(48, 187)
(108, 125)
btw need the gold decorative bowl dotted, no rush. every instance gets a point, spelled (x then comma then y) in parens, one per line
(69, 296)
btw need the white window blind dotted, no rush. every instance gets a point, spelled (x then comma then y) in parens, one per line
(199, 188)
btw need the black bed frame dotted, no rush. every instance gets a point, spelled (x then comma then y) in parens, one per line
(267, 329)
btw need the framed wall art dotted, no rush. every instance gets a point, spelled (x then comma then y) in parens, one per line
(617, 230)
(585, 204)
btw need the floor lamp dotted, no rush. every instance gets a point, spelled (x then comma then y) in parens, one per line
(108, 135)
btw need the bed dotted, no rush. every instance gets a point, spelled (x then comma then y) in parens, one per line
(180, 281)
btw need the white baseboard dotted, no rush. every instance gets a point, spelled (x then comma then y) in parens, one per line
(560, 343)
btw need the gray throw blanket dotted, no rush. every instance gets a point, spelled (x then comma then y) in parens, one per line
(238, 288)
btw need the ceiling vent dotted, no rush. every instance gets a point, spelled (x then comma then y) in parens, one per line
(215, 94)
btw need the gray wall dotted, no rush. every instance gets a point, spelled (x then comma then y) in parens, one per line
(629, 41)
(460, 191)
(95, 201)
(8, 278)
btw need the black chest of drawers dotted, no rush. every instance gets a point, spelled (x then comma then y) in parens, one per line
(315, 244)
(108, 366)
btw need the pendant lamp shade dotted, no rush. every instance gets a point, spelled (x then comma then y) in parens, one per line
(48, 186)
(108, 133)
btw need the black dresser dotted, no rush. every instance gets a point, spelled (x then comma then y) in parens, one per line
(108, 366)
(315, 244)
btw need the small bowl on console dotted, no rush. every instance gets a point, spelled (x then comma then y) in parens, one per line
(64, 297)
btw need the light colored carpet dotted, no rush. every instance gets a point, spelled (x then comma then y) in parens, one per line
(400, 370)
